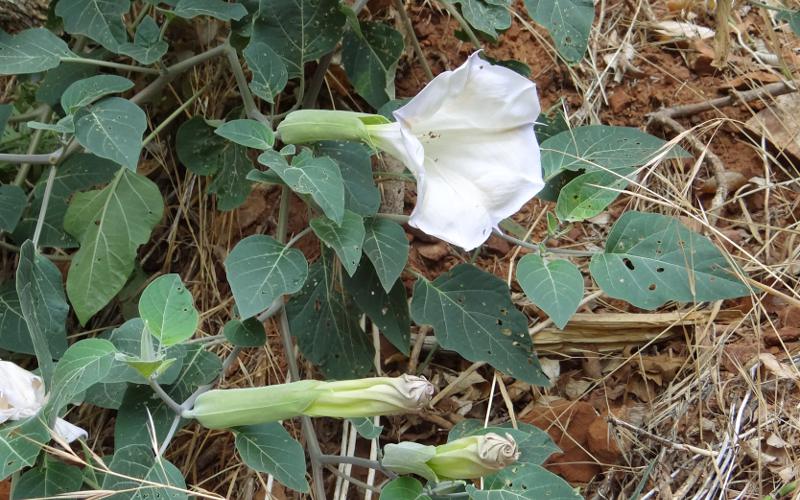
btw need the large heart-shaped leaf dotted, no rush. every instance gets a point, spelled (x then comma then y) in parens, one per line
(31, 51)
(651, 259)
(12, 203)
(487, 16)
(100, 20)
(50, 479)
(86, 91)
(386, 245)
(345, 239)
(568, 21)
(471, 313)
(269, 70)
(168, 311)
(85, 363)
(113, 129)
(556, 287)
(247, 133)
(370, 60)
(140, 475)
(270, 449)
(260, 270)
(360, 193)
(110, 224)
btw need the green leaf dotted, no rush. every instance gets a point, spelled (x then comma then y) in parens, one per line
(260, 270)
(113, 129)
(269, 71)
(270, 449)
(31, 51)
(106, 395)
(85, 363)
(370, 61)
(200, 367)
(5, 114)
(153, 473)
(386, 245)
(86, 91)
(15, 336)
(366, 428)
(569, 23)
(56, 81)
(487, 16)
(140, 405)
(248, 133)
(110, 223)
(100, 20)
(41, 298)
(471, 313)
(555, 287)
(49, 479)
(20, 443)
(345, 240)
(63, 126)
(587, 195)
(651, 259)
(320, 177)
(403, 488)
(147, 46)
(360, 193)
(324, 321)
(535, 445)
(524, 481)
(168, 311)
(218, 9)
(793, 18)
(79, 171)
(388, 311)
(127, 339)
(247, 333)
(601, 147)
(12, 203)
(299, 30)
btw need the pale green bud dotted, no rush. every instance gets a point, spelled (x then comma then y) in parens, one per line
(312, 125)
(474, 456)
(366, 397)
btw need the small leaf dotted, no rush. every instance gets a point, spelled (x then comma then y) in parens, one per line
(370, 60)
(218, 9)
(127, 339)
(523, 481)
(324, 321)
(345, 239)
(569, 23)
(147, 46)
(12, 203)
(31, 51)
(260, 270)
(56, 81)
(556, 287)
(471, 313)
(113, 129)
(651, 259)
(386, 245)
(63, 126)
(269, 71)
(140, 475)
(403, 488)
(320, 177)
(587, 195)
(110, 223)
(247, 333)
(366, 428)
(168, 311)
(85, 363)
(20, 443)
(270, 449)
(86, 91)
(50, 479)
(248, 133)
(100, 20)
(487, 16)
(361, 195)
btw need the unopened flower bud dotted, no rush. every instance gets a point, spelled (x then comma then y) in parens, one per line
(372, 396)
(474, 456)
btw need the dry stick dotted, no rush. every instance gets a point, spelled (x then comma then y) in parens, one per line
(401, 9)
(655, 437)
(772, 90)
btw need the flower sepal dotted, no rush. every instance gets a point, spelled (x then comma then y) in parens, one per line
(312, 125)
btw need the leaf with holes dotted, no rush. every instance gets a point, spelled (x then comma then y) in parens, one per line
(147, 46)
(370, 60)
(345, 239)
(387, 310)
(299, 31)
(487, 16)
(556, 287)
(587, 195)
(471, 313)
(12, 203)
(260, 270)
(113, 129)
(386, 245)
(523, 481)
(324, 321)
(361, 195)
(602, 147)
(168, 311)
(268, 448)
(110, 224)
(86, 91)
(140, 475)
(269, 70)
(100, 20)
(218, 9)
(31, 51)
(569, 23)
(651, 259)
(247, 133)
(319, 177)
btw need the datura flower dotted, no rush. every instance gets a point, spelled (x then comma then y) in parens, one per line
(22, 396)
(467, 138)
(464, 458)
(366, 397)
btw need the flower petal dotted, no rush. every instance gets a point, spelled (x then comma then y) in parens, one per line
(476, 95)
(399, 143)
(473, 180)
(69, 431)
(20, 389)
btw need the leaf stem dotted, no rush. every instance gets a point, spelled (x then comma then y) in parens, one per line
(537, 247)
(19, 180)
(161, 126)
(48, 190)
(250, 106)
(166, 398)
(111, 64)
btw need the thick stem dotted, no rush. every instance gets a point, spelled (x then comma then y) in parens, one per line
(110, 64)
(250, 106)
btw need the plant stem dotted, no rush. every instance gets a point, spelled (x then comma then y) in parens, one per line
(110, 64)
(174, 71)
(161, 126)
(534, 246)
(166, 398)
(358, 462)
(453, 11)
(19, 180)
(401, 9)
(36, 159)
(16, 249)
(241, 81)
(48, 189)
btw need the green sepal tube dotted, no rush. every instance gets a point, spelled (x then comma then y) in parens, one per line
(313, 125)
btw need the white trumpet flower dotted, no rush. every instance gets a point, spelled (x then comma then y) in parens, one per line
(467, 138)
(22, 396)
